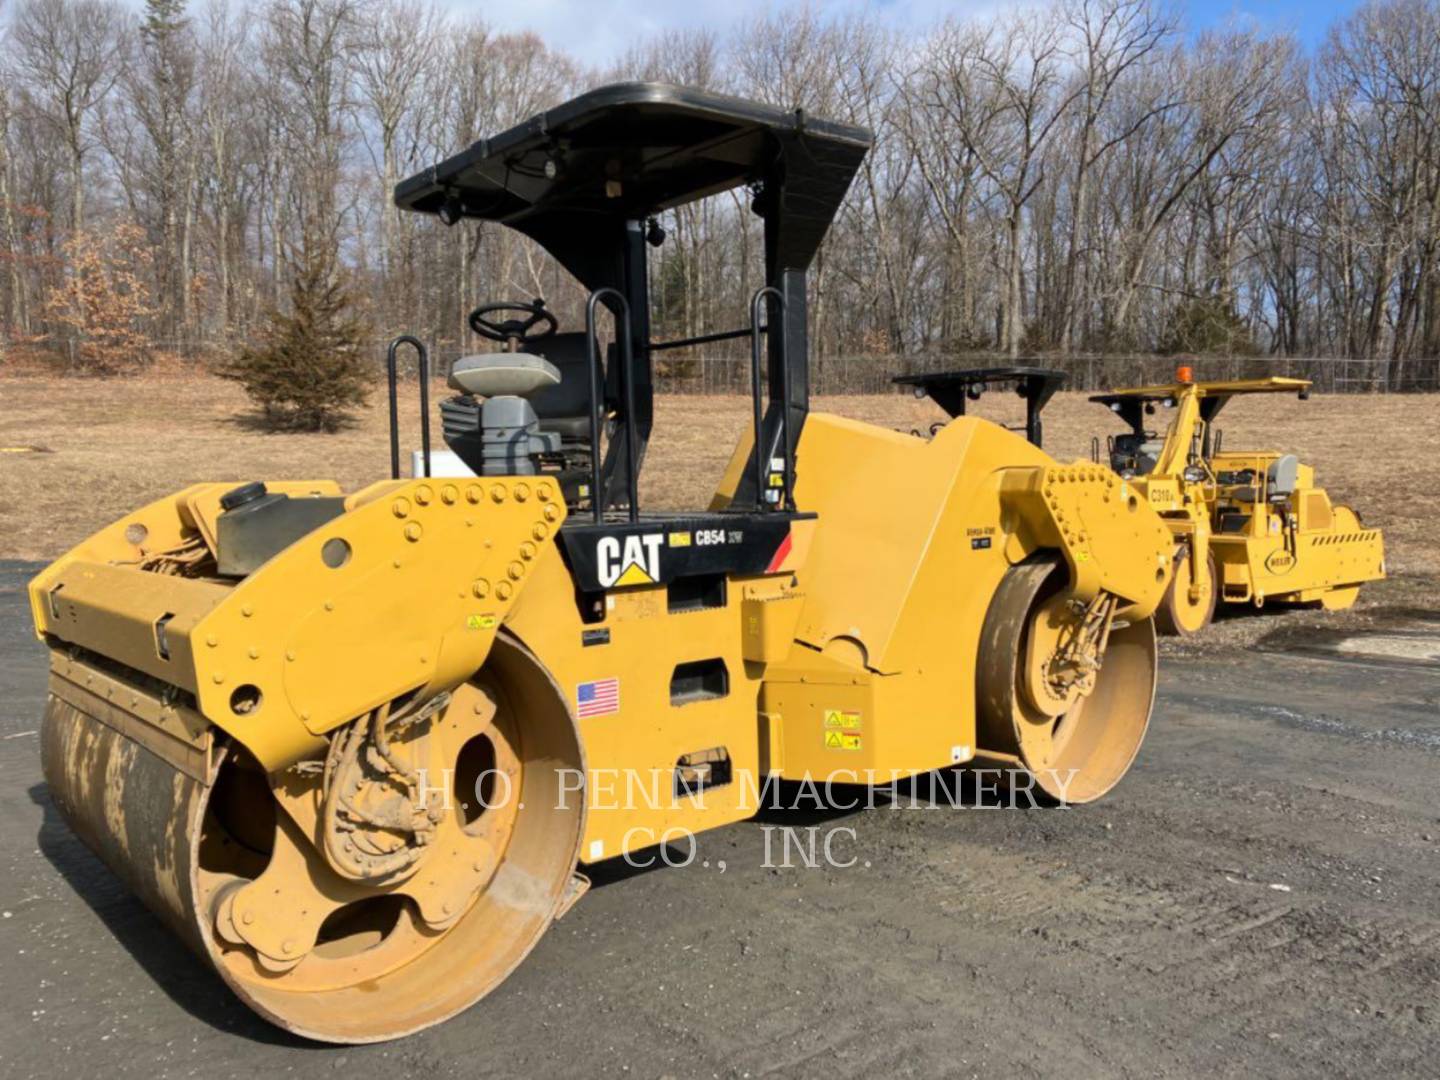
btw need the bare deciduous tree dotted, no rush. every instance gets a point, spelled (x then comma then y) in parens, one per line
(69, 53)
(1080, 176)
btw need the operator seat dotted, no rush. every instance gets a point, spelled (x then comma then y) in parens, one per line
(536, 405)
(1283, 475)
(560, 398)
(501, 437)
(1280, 480)
(1135, 454)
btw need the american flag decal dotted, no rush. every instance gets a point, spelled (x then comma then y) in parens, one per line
(598, 698)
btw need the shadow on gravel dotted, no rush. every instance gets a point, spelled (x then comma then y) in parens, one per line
(782, 803)
(184, 977)
(792, 804)
(800, 805)
(258, 423)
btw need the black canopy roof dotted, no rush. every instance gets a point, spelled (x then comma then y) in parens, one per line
(569, 176)
(949, 389)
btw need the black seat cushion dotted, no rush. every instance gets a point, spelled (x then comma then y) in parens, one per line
(568, 427)
(566, 407)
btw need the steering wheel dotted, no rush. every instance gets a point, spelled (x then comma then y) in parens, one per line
(518, 331)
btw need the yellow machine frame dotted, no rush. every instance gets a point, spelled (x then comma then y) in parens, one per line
(357, 750)
(863, 617)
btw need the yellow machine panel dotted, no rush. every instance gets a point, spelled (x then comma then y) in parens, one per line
(884, 615)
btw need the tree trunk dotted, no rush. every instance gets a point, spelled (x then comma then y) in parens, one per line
(19, 309)
(77, 179)
(1013, 327)
(1078, 206)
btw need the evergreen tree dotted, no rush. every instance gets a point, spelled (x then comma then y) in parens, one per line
(1206, 325)
(163, 20)
(306, 373)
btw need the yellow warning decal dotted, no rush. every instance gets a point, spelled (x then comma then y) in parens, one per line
(842, 729)
(679, 539)
(480, 622)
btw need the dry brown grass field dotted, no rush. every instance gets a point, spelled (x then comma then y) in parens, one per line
(109, 446)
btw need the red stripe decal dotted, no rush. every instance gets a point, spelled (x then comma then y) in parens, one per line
(779, 557)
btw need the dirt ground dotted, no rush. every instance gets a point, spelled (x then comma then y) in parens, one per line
(109, 446)
(1256, 898)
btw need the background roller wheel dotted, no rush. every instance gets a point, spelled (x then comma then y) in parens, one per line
(344, 960)
(1180, 615)
(1078, 748)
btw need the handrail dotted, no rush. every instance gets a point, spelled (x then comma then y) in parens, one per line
(786, 498)
(699, 339)
(393, 377)
(622, 322)
(755, 402)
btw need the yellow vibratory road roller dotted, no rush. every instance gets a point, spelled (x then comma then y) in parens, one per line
(345, 743)
(1250, 526)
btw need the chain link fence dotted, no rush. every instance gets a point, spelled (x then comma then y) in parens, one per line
(729, 373)
(873, 374)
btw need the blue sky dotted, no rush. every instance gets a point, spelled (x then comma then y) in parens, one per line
(597, 31)
(1308, 20)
